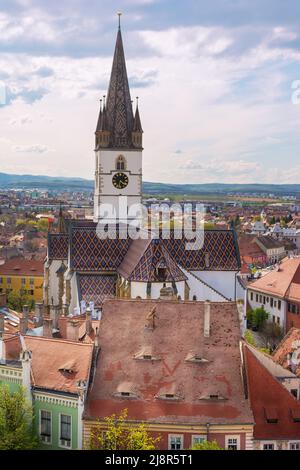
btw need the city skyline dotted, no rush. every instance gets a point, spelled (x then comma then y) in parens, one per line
(215, 94)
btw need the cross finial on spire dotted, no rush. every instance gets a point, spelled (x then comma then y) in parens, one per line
(119, 15)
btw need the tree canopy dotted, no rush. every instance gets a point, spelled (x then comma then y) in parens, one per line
(16, 421)
(117, 434)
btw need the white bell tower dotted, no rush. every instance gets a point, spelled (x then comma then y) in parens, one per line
(119, 140)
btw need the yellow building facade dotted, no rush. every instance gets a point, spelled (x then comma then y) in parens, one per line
(22, 276)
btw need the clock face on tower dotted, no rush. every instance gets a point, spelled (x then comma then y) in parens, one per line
(120, 180)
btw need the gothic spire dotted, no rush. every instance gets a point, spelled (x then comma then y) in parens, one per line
(137, 125)
(119, 112)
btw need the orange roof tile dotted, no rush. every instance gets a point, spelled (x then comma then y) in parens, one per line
(277, 281)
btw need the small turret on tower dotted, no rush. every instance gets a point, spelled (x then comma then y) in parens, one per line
(102, 133)
(137, 133)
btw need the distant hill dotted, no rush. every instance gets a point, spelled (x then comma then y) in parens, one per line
(8, 181)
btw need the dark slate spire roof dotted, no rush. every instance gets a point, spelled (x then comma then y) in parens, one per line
(100, 119)
(119, 105)
(137, 125)
(62, 228)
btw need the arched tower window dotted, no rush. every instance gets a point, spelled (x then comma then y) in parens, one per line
(121, 163)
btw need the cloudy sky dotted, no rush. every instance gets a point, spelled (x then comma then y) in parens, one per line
(215, 80)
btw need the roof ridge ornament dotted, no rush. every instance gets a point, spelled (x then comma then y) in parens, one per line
(119, 13)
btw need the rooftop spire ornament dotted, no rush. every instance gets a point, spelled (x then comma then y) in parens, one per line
(119, 15)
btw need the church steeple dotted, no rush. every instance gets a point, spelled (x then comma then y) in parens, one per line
(118, 110)
(119, 147)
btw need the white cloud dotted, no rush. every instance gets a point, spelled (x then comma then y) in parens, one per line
(36, 148)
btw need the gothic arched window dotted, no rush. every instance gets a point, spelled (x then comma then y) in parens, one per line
(121, 163)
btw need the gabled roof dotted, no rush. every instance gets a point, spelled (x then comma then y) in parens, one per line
(154, 255)
(49, 356)
(270, 399)
(280, 279)
(22, 267)
(90, 253)
(178, 334)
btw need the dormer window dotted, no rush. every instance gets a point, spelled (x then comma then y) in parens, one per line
(146, 355)
(197, 358)
(121, 163)
(161, 271)
(169, 396)
(125, 390)
(213, 397)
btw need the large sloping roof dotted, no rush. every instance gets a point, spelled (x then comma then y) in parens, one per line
(177, 337)
(269, 397)
(89, 253)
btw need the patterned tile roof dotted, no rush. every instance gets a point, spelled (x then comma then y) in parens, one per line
(90, 253)
(58, 246)
(156, 255)
(96, 288)
(218, 253)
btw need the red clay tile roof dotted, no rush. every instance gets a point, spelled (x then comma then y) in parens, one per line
(289, 345)
(178, 335)
(22, 267)
(269, 397)
(48, 357)
(277, 282)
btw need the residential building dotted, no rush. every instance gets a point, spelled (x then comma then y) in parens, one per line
(55, 374)
(274, 249)
(176, 366)
(279, 292)
(19, 275)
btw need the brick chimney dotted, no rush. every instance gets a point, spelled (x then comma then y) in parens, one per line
(73, 330)
(39, 313)
(47, 327)
(24, 321)
(207, 319)
(88, 321)
(54, 315)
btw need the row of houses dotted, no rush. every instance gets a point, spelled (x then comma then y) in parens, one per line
(181, 367)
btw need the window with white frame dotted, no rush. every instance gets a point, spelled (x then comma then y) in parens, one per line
(294, 445)
(46, 426)
(198, 439)
(232, 442)
(175, 441)
(65, 430)
(268, 446)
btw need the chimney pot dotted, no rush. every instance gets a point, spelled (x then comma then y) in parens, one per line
(88, 321)
(47, 327)
(207, 319)
(39, 313)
